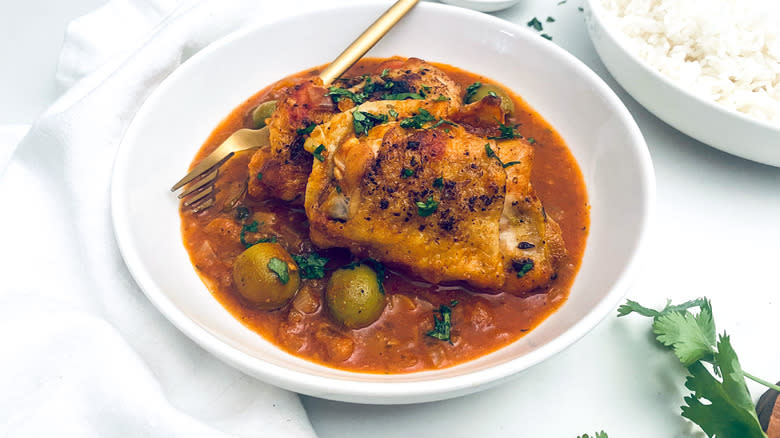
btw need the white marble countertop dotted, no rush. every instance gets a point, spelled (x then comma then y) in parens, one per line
(716, 233)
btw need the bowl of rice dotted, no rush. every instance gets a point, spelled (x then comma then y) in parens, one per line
(709, 68)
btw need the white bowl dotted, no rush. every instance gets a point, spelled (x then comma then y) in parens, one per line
(182, 111)
(482, 5)
(700, 118)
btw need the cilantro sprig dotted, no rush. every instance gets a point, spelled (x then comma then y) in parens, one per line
(721, 407)
(363, 121)
(601, 434)
(312, 266)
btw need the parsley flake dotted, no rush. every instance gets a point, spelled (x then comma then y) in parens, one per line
(442, 97)
(279, 267)
(406, 173)
(311, 266)
(393, 113)
(547, 37)
(318, 153)
(252, 228)
(418, 120)
(535, 23)
(471, 90)
(506, 132)
(522, 267)
(402, 96)
(339, 94)
(307, 130)
(550, 20)
(384, 73)
(438, 183)
(428, 207)
(259, 176)
(363, 121)
(442, 325)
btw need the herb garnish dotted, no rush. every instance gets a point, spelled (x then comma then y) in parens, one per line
(307, 130)
(491, 154)
(311, 266)
(406, 172)
(339, 94)
(259, 176)
(535, 23)
(393, 113)
(428, 207)
(418, 120)
(279, 267)
(252, 228)
(442, 325)
(550, 20)
(363, 121)
(318, 153)
(384, 73)
(442, 97)
(441, 122)
(531, 140)
(471, 90)
(601, 434)
(522, 267)
(438, 183)
(547, 37)
(378, 267)
(506, 132)
(723, 407)
(402, 96)
(242, 212)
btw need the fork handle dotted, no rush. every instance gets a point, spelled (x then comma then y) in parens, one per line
(366, 41)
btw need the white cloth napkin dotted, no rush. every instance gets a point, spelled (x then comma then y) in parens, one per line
(82, 351)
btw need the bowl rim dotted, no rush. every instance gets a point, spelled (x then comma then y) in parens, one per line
(388, 391)
(598, 12)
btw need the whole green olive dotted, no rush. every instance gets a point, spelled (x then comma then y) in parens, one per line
(353, 296)
(266, 275)
(262, 112)
(486, 89)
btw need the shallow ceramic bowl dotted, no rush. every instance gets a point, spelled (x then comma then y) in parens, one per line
(482, 5)
(183, 110)
(700, 118)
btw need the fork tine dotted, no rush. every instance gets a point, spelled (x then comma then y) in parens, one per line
(200, 206)
(202, 194)
(204, 166)
(199, 184)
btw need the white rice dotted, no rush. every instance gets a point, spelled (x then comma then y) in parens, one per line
(724, 50)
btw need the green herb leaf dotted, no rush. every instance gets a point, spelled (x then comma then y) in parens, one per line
(531, 140)
(511, 163)
(442, 97)
(279, 267)
(427, 208)
(384, 73)
(379, 268)
(402, 96)
(471, 90)
(441, 122)
(252, 228)
(339, 94)
(393, 113)
(522, 267)
(691, 337)
(601, 434)
(729, 410)
(507, 132)
(311, 266)
(259, 176)
(442, 325)
(547, 37)
(418, 120)
(406, 173)
(307, 130)
(318, 152)
(535, 23)
(491, 154)
(363, 121)
(438, 183)
(550, 20)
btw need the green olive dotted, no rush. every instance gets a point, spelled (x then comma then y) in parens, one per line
(506, 102)
(266, 275)
(353, 296)
(262, 112)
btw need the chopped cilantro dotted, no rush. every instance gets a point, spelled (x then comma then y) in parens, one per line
(259, 176)
(418, 120)
(562, 2)
(550, 20)
(601, 434)
(427, 208)
(535, 23)
(338, 94)
(441, 122)
(402, 96)
(471, 90)
(506, 132)
(384, 73)
(318, 153)
(311, 266)
(531, 140)
(522, 267)
(279, 267)
(547, 37)
(492, 93)
(363, 121)
(338, 189)
(438, 183)
(442, 97)
(579, 8)
(442, 325)
(393, 113)
(252, 228)
(307, 130)
(491, 154)
(242, 212)
(406, 172)
(379, 268)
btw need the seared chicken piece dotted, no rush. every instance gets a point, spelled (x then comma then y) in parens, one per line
(429, 197)
(284, 165)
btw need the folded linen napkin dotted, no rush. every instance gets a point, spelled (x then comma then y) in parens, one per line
(82, 351)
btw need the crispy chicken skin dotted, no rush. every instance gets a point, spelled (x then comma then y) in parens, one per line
(285, 167)
(433, 201)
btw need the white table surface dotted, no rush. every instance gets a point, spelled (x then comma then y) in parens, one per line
(716, 233)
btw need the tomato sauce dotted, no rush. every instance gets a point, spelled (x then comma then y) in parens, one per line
(398, 341)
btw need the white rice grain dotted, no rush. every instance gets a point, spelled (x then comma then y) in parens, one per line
(727, 51)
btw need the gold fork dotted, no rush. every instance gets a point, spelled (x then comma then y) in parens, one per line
(200, 180)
